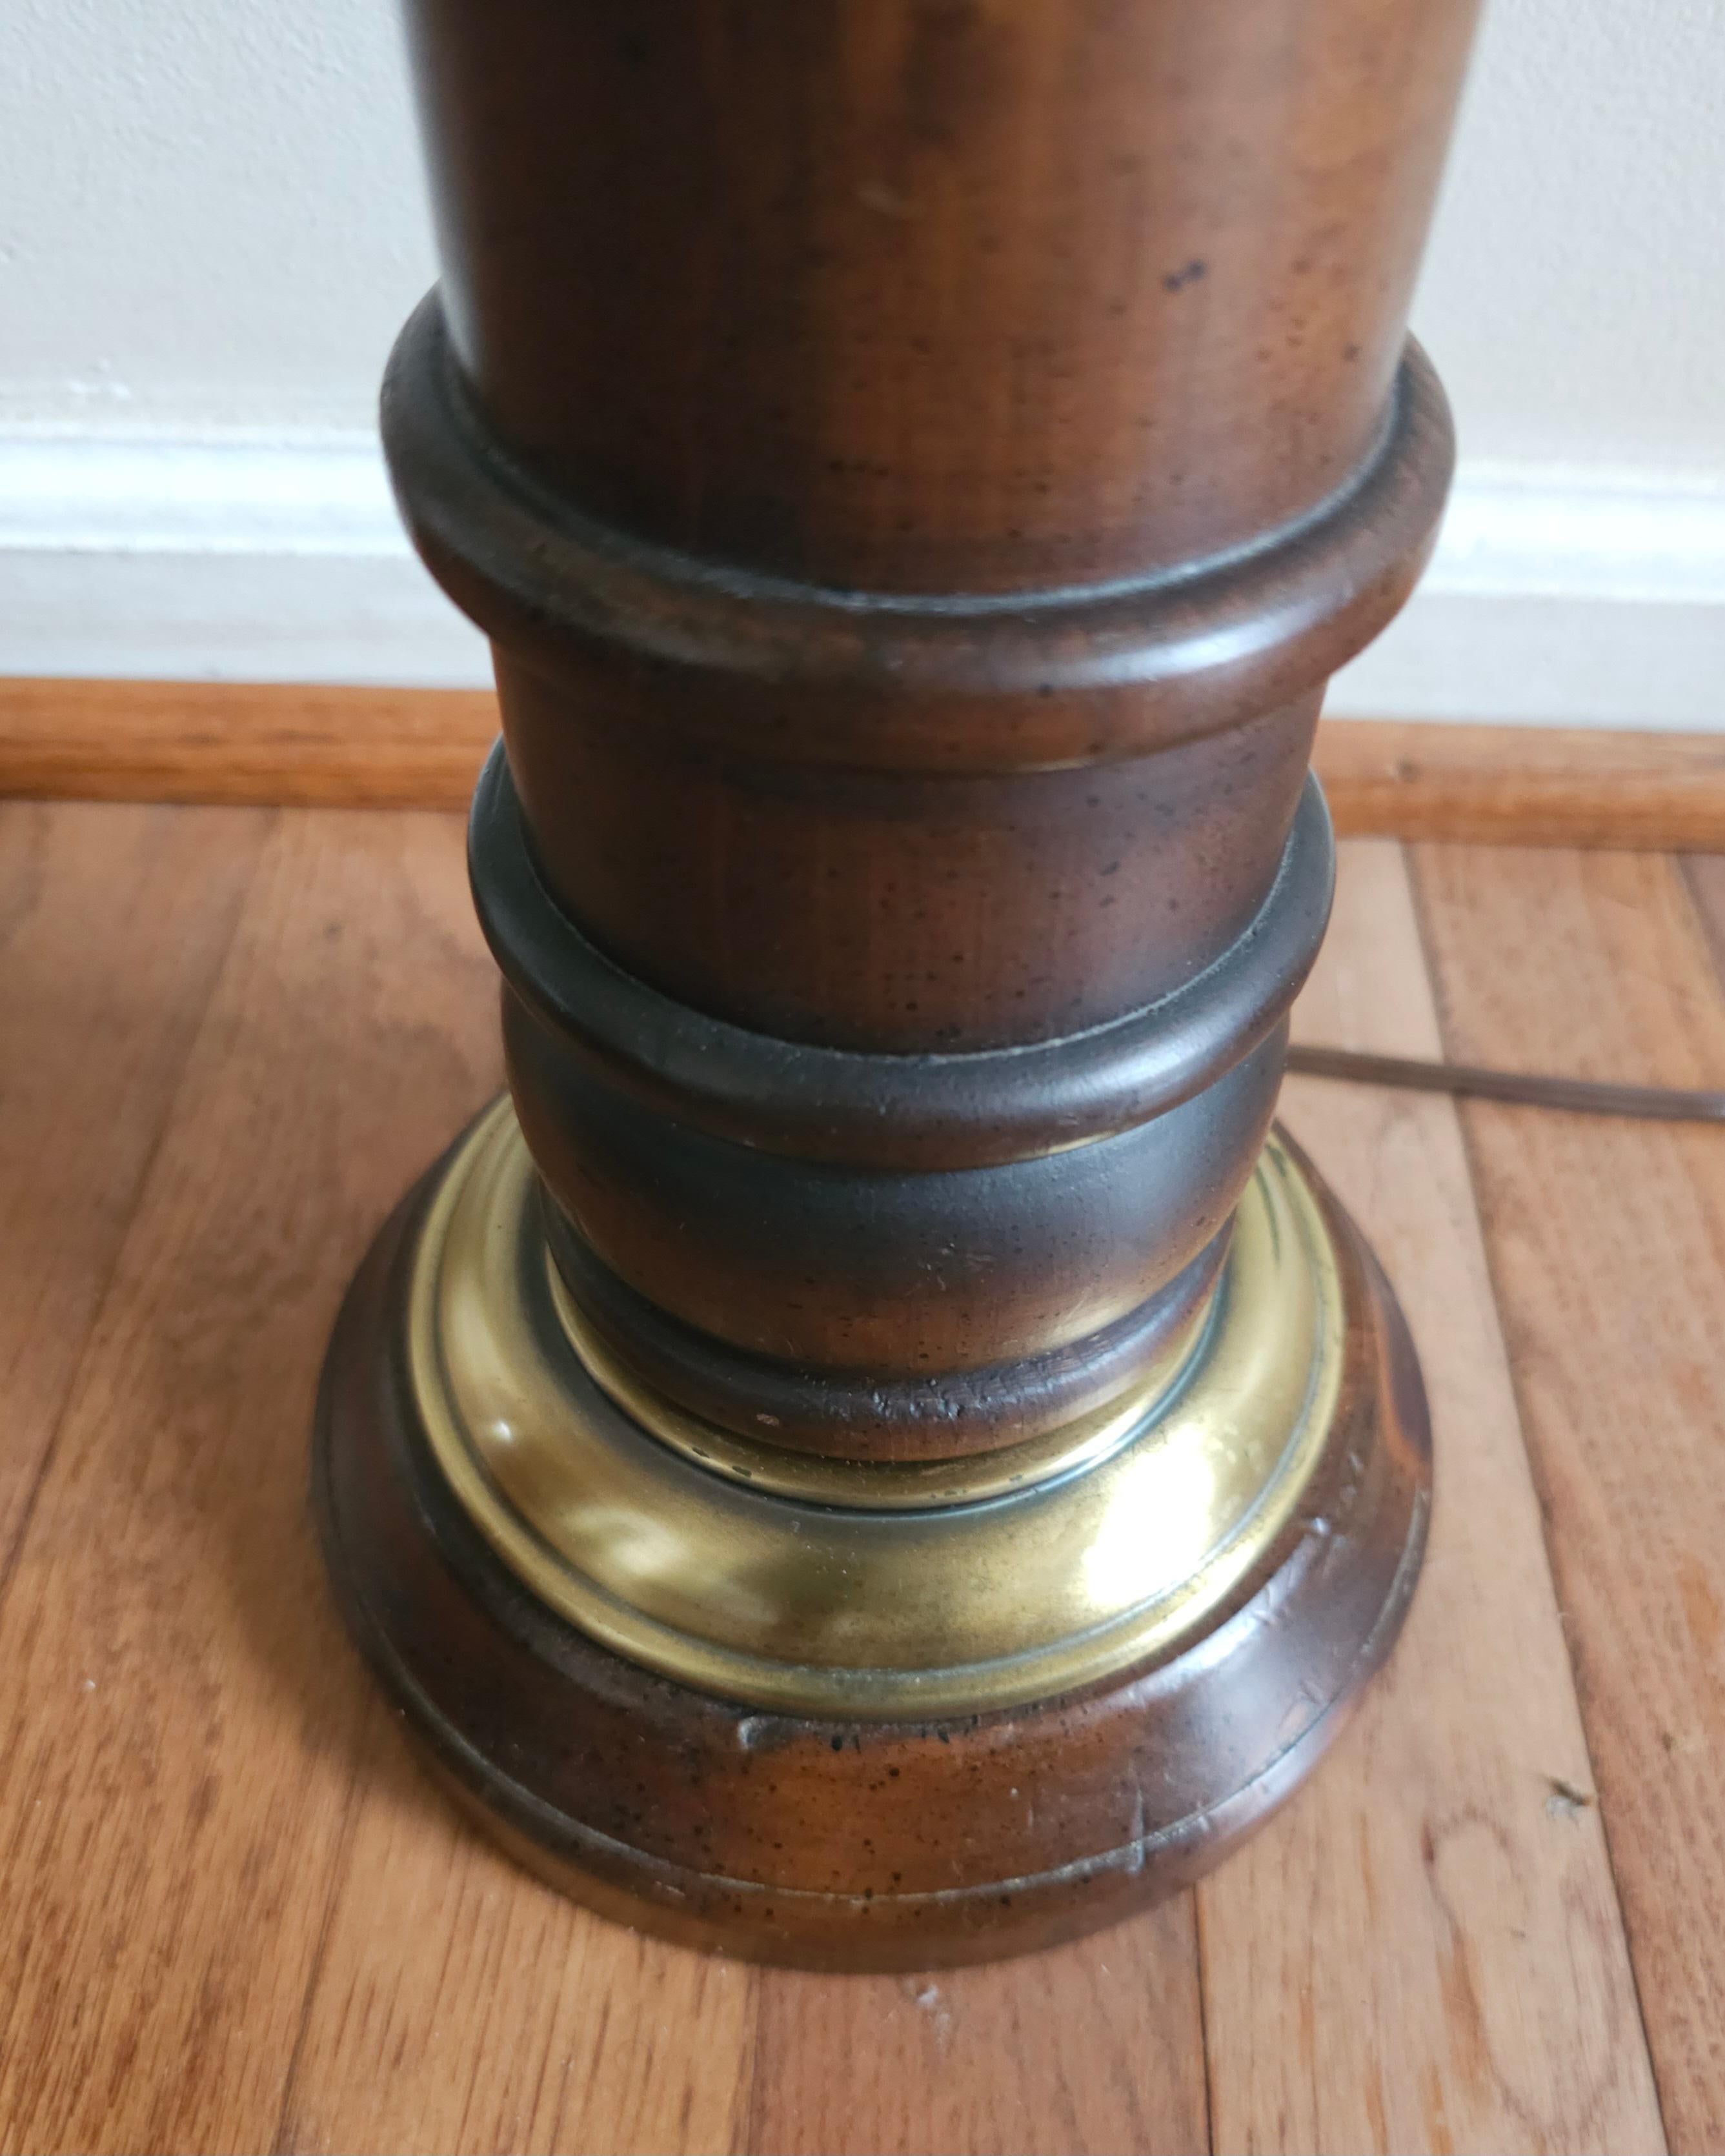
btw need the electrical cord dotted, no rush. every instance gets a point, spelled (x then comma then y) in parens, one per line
(1581, 1097)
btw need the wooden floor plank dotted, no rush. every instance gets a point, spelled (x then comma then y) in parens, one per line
(95, 1024)
(235, 1912)
(1093, 2047)
(1529, 785)
(181, 1715)
(299, 744)
(1607, 1244)
(1425, 1951)
(461, 2005)
(1705, 875)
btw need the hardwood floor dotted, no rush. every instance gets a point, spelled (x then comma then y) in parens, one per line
(234, 1915)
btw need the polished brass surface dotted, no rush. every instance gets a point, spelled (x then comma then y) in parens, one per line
(860, 1610)
(883, 1485)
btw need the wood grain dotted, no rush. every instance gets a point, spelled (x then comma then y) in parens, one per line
(1420, 1953)
(1606, 1242)
(927, 303)
(1530, 786)
(1705, 875)
(181, 1714)
(1097, 2047)
(235, 1915)
(460, 2004)
(290, 744)
(274, 744)
(97, 1026)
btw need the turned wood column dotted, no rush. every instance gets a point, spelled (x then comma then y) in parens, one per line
(918, 463)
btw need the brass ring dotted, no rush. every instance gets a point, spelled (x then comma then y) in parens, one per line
(892, 1486)
(882, 1613)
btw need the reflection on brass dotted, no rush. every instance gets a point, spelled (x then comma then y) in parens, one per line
(1121, 1548)
(880, 1485)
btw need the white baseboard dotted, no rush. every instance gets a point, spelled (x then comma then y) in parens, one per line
(1554, 597)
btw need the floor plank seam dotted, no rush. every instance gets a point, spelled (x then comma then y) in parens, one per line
(749, 2111)
(1204, 2025)
(1706, 925)
(1435, 1947)
(1583, 1694)
(281, 2143)
(1465, 1116)
(146, 1168)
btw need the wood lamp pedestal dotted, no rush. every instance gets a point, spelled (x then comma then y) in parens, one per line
(876, 1453)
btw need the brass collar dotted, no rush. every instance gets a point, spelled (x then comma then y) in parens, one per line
(1110, 1549)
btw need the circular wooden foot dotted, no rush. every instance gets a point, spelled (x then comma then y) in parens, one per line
(962, 1726)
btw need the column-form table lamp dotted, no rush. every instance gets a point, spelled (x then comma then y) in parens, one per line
(875, 1453)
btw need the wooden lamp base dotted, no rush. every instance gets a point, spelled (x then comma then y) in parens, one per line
(920, 1720)
(890, 1460)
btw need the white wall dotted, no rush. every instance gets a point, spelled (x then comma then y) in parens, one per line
(212, 222)
(211, 212)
